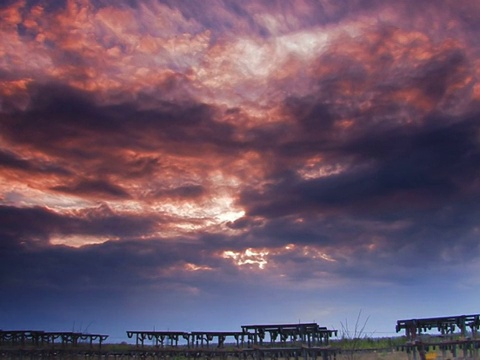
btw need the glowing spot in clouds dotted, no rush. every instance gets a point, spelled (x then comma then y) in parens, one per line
(316, 168)
(248, 257)
(213, 211)
(24, 195)
(77, 241)
(313, 253)
(242, 72)
(262, 257)
(193, 267)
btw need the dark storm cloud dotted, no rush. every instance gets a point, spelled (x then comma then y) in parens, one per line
(107, 267)
(430, 164)
(395, 167)
(31, 226)
(57, 116)
(7, 159)
(100, 188)
(429, 159)
(390, 247)
(411, 199)
(26, 225)
(121, 267)
(169, 150)
(15, 162)
(95, 148)
(60, 118)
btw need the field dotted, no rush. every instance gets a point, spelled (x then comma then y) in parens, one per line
(374, 355)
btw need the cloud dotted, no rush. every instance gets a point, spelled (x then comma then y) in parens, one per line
(10, 160)
(245, 149)
(37, 225)
(97, 188)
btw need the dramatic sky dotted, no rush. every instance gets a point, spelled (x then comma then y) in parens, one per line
(202, 165)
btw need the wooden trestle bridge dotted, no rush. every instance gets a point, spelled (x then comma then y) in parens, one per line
(450, 337)
(454, 336)
(288, 341)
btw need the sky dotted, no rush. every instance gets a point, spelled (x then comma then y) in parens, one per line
(203, 165)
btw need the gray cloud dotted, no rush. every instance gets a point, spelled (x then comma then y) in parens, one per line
(189, 159)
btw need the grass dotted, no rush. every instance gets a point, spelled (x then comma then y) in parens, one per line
(369, 343)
